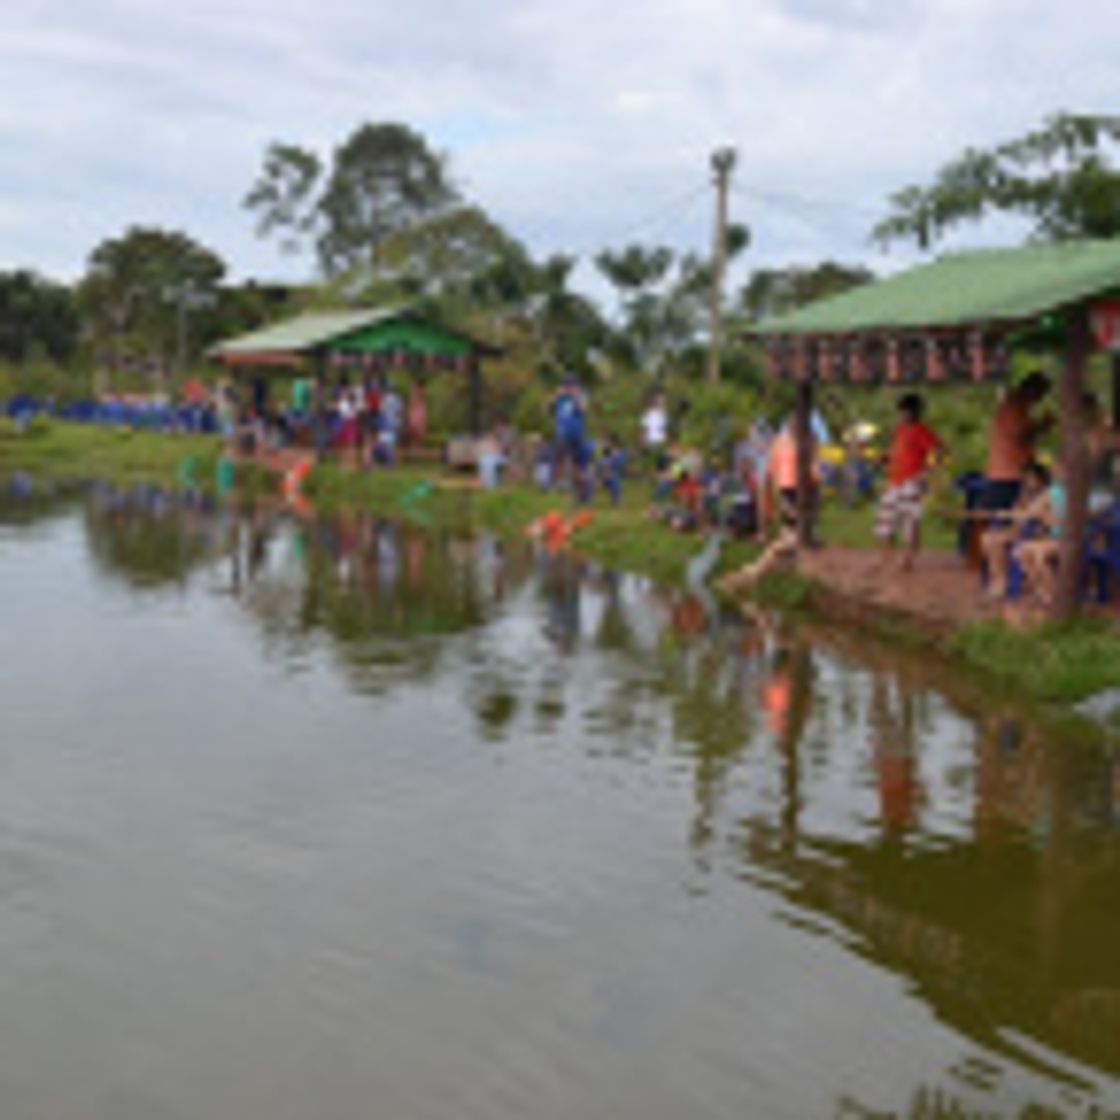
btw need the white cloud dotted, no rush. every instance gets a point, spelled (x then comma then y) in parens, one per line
(574, 122)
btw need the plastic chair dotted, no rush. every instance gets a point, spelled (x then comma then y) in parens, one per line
(1103, 555)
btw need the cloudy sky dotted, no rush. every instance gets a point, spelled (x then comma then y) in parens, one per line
(576, 122)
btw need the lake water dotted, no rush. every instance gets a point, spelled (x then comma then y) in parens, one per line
(319, 821)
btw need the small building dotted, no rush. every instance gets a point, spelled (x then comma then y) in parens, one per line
(323, 343)
(956, 320)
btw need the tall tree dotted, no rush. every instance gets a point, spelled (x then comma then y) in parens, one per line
(662, 300)
(139, 292)
(1060, 177)
(381, 180)
(283, 196)
(457, 256)
(36, 315)
(567, 325)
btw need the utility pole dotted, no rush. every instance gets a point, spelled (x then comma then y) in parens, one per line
(723, 163)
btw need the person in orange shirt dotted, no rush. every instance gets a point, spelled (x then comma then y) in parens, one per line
(781, 471)
(1012, 441)
(914, 449)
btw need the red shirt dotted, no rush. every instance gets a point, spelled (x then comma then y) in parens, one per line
(912, 448)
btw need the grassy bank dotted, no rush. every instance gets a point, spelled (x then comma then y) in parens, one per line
(1054, 664)
(621, 537)
(114, 454)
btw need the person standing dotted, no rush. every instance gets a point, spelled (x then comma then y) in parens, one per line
(417, 414)
(1012, 441)
(655, 431)
(914, 450)
(569, 419)
(392, 421)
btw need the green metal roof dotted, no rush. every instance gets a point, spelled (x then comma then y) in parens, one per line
(987, 286)
(303, 333)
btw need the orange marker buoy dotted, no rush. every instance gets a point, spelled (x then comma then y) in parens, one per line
(294, 479)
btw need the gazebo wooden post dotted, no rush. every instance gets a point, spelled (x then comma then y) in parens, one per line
(474, 373)
(1116, 390)
(1075, 467)
(803, 436)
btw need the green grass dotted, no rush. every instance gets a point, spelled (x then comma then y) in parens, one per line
(116, 454)
(622, 537)
(1059, 663)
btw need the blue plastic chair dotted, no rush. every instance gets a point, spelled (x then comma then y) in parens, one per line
(1103, 556)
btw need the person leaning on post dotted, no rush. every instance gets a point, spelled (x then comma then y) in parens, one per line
(1013, 441)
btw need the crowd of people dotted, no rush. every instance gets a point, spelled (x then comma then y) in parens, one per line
(747, 486)
(750, 486)
(366, 421)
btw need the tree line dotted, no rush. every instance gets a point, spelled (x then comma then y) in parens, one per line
(386, 224)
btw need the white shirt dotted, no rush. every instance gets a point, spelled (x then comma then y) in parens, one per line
(655, 426)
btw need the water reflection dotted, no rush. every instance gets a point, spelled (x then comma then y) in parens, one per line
(963, 853)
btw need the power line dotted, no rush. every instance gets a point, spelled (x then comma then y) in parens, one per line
(673, 207)
(781, 196)
(812, 216)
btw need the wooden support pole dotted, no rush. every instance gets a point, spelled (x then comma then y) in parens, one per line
(1075, 467)
(803, 436)
(474, 374)
(1116, 390)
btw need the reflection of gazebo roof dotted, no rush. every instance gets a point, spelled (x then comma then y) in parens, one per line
(968, 933)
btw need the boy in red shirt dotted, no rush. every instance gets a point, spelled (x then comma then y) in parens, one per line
(914, 447)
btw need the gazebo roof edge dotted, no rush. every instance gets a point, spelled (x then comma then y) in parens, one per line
(973, 288)
(310, 332)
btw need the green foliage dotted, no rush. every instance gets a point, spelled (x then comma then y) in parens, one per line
(714, 417)
(450, 264)
(1052, 662)
(36, 315)
(1059, 176)
(283, 194)
(138, 292)
(774, 291)
(662, 304)
(382, 180)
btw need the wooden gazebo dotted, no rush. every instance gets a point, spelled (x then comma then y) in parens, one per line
(359, 341)
(955, 320)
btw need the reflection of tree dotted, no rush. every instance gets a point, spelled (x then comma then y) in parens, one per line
(714, 715)
(614, 632)
(146, 536)
(379, 596)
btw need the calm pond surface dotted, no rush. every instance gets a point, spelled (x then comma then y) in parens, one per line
(345, 819)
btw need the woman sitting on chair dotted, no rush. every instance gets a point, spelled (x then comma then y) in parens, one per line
(1026, 520)
(1039, 556)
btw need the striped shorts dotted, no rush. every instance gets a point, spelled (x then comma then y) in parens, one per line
(900, 511)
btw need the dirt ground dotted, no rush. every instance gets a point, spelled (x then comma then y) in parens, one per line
(940, 591)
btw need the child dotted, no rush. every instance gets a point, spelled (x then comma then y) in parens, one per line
(543, 473)
(612, 462)
(914, 449)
